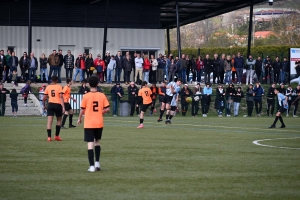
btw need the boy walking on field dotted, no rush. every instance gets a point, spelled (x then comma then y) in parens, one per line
(146, 94)
(94, 104)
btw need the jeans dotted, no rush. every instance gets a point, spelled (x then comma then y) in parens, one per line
(183, 75)
(69, 71)
(199, 73)
(239, 73)
(258, 109)
(117, 75)
(32, 71)
(115, 107)
(77, 71)
(146, 76)
(228, 76)
(282, 76)
(53, 69)
(166, 73)
(44, 112)
(195, 107)
(228, 108)
(110, 74)
(249, 74)
(44, 71)
(236, 106)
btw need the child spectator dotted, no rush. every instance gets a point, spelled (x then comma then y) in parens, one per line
(185, 92)
(219, 101)
(237, 100)
(25, 91)
(14, 78)
(41, 97)
(14, 102)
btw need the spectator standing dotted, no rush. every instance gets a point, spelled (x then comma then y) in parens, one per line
(89, 66)
(61, 63)
(183, 67)
(220, 100)
(207, 68)
(199, 68)
(193, 68)
(297, 68)
(33, 65)
(2, 65)
(258, 94)
(127, 66)
(250, 67)
(277, 67)
(284, 71)
(216, 69)
(154, 65)
(138, 67)
(133, 98)
(185, 93)
(146, 68)
(54, 61)
(24, 66)
(41, 98)
(43, 68)
(233, 70)
(3, 92)
(110, 70)
(239, 66)
(296, 101)
(167, 66)
(268, 68)
(69, 64)
(160, 68)
(172, 71)
(13, 62)
(227, 69)
(14, 102)
(271, 100)
(196, 99)
(7, 68)
(100, 66)
(222, 69)
(230, 91)
(116, 94)
(83, 88)
(106, 62)
(25, 91)
(79, 65)
(258, 68)
(93, 106)
(249, 100)
(237, 100)
(119, 66)
(206, 99)
(292, 95)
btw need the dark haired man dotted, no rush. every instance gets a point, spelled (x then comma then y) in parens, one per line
(68, 109)
(145, 93)
(69, 64)
(283, 103)
(94, 104)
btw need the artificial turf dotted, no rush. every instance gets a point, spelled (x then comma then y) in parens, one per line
(193, 158)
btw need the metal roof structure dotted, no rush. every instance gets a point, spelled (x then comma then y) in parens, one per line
(157, 14)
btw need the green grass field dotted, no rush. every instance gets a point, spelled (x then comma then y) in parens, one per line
(194, 158)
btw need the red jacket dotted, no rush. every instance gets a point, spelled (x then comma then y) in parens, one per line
(147, 64)
(100, 62)
(199, 65)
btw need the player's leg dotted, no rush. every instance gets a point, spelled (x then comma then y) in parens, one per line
(58, 113)
(89, 138)
(98, 135)
(162, 110)
(71, 118)
(50, 115)
(65, 117)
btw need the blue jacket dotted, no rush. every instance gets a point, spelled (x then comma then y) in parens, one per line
(239, 62)
(114, 90)
(259, 91)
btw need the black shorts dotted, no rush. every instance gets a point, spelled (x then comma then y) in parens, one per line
(145, 107)
(92, 134)
(68, 106)
(54, 108)
(282, 110)
(173, 108)
(167, 99)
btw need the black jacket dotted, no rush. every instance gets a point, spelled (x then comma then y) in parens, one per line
(43, 63)
(29, 60)
(219, 97)
(66, 60)
(230, 91)
(216, 65)
(258, 66)
(238, 96)
(271, 94)
(119, 62)
(89, 62)
(207, 65)
(82, 90)
(185, 93)
(285, 66)
(127, 64)
(10, 60)
(134, 90)
(61, 60)
(3, 95)
(3, 61)
(114, 92)
(23, 62)
(276, 66)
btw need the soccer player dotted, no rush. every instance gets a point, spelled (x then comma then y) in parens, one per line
(172, 87)
(171, 113)
(68, 108)
(55, 106)
(94, 104)
(283, 103)
(146, 94)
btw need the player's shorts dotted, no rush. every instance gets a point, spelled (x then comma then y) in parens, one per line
(68, 106)
(91, 134)
(282, 110)
(54, 108)
(145, 107)
(167, 99)
(173, 108)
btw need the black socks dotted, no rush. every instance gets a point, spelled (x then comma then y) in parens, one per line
(161, 113)
(57, 130)
(97, 153)
(64, 119)
(49, 132)
(141, 121)
(70, 119)
(91, 157)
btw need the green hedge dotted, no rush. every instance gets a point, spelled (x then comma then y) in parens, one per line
(263, 51)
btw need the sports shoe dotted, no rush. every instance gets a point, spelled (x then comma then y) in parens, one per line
(141, 126)
(272, 126)
(63, 127)
(25, 105)
(49, 139)
(97, 166)
(154, 110)
(220, 115)
(57, 138)
(282, 126)
(245, 116)
(159, 120)
(295, 116)
(91, 169)
(72, 126)
(204, 115)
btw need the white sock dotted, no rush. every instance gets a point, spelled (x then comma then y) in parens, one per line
(97, 164)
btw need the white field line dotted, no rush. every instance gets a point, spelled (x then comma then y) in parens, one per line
(257, 142)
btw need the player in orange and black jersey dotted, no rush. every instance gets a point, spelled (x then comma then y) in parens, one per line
(154, 95)
(68, 108)
(94, 104)
(145, 93)
(55, 106)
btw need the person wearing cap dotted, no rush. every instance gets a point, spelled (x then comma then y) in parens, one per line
(268, 68)
(116, 94)
(69, 64)
(53, 60)
(206, 99)
(41, 98)
(249, 100)
(133, 98)
(283, 106)
(79, 65)
(196, 98)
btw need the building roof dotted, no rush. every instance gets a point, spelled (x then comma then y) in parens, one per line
(144, 14)
(263, 34)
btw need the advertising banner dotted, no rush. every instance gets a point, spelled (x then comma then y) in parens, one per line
(294, 57)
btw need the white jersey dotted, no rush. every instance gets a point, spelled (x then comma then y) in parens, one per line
(175, 86)
(174, 102)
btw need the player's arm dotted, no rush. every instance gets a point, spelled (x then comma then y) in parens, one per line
(105, 110)
(61, 98)
(45, 98)
(82, 111)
